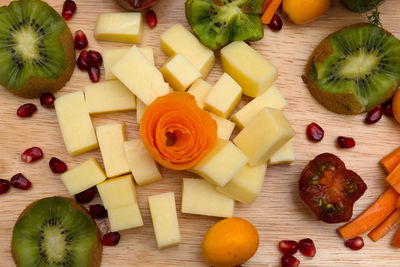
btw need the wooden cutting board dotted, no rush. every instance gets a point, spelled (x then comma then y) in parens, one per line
(278, 213)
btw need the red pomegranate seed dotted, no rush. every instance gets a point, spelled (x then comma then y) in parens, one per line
(110, 239)
(151, 19)
(289, 260)
(94, 58)
(346, 142)
(81, 62)
(80, 40)
(307, 248)
(315, 132)
(86, 196)
(94, 74)
(69, 9)
(276, 23)
(4, 186)
(47, 100)
(97, 211)
(57, 166)
(387, 108)
(32, 154)
(288, 246)
(26, 110)
(374, 115)
(248, 43)
(20, 181)
(355, 243)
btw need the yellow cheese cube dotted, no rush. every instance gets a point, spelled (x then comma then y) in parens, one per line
(137, 73)
(271, 98)
(221, 163)
(200, 89)
(246, 185)
(285, 155)
(179, 72)
(83, 176)
(265, 134)
(200, 197)
(112, 56)
(143, 167)
(164, 218)
(140, 108)
(224, 127)
(117, 192)
(109, 96)
(125, 217)
(224, 97)
(119, 27)
(249, 68)
(75, 123)
(111, 141)
(178, 39)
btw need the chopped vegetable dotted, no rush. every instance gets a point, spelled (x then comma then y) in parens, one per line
(396, 239)
(266, 4)
(388, 224)
(394, 178)
(391, 160)
(270, 10)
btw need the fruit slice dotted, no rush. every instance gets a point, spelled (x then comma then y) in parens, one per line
(354, 69)
(36, 49)
(56, 231)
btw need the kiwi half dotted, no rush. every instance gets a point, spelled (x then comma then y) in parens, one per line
(56, 231)
(36, 49)
(354, 69)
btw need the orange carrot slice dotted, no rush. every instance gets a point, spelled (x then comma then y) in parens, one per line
(270, 11)
(371, 217)
(266, 4)
(394, 178)
(398, 204)
(176, 132)
(391, 160)
(396, 239)
(388, 224)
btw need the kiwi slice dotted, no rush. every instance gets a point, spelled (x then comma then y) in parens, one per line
(56, 231)
(219, 22)
(361, 6)
(36, 49)
(354, 69)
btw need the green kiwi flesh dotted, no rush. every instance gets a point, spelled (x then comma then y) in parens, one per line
(56, 231)
(36, 48)
(354, 69)
(361, 6)
(219, 22)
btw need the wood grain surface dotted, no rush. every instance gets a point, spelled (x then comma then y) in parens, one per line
(278, 213)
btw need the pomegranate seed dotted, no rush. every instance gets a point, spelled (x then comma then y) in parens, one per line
(19, 181)
(276, 23)
(110, 239)
(151, 19)
(94, 74)
(288, 246)
(4, 186)
(69, 9)
(80, 40)
(86, 196)
(315, 132)
(248, 43)
(97, 211)
(346, 142)
(307, 248)
(47, 100)
(81, 62)
(32, 154)
(387, 108)
(355, 243)
(94, 58)
(57, 166)
(26, 110)
(288, 260)
(374, 115)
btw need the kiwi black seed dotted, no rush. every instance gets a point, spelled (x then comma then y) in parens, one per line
(36, 49)
(56, 231)
(354, 69)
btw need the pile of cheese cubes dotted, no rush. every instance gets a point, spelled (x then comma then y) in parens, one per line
(233, 170)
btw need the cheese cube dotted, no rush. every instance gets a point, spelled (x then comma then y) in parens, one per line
(224, 97)
(111, 141)
(224, 127)
(112, 56)
(119, 27)
(200, 197)
(249, 68)
(221, 163)
(140, 76)
(246, 185)
(140, 108)
(264, 135)
(200, 89)
(271, 98)
(143, 167)
(83, 176)
(285, 155)
(117, 192)
(75, 123)
(125, 217)
(178, 39)
(164, 218)
(179, 72)
(109, 96)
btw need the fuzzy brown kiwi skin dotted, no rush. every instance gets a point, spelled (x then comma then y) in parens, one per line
(96, 252)
(338, 103)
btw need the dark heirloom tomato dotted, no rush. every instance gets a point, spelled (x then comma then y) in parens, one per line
(329, 189)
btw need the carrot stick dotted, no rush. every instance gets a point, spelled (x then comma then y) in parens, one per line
(398, 204)
(270, 11)
(396, 239)
(388, 224)
(266, 4)
(391, 160)
(394, 178)
(371, 217)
